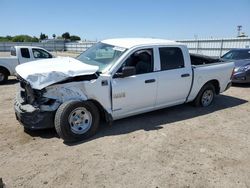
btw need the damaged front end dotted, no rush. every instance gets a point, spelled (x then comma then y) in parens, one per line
(33, 110)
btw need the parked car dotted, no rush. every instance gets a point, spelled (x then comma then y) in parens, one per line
(241, 58)
(114, 79)
(19, 55)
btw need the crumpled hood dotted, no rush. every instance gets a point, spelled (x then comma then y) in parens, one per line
(43, 73)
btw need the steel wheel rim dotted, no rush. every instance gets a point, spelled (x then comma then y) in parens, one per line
(1, 76)
(80, 120)
(207, 97)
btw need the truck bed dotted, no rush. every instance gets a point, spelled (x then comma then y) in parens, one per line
(220, 71)
(197, 59)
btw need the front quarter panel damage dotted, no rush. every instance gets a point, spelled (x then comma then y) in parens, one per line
(65, 92)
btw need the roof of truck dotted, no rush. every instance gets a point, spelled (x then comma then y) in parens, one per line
(132, 42)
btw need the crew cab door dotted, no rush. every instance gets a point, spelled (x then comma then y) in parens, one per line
(175, 76)
(135, 93)
(24, 55)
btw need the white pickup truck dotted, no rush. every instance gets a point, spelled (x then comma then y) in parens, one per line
(114, 79)
(19, 55)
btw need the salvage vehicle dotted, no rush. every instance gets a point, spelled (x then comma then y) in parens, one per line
(241, 58)
(19, 55)
(113, 79)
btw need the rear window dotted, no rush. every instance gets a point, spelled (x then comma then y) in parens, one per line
(13, 51)
(25, 53)
(171, 58)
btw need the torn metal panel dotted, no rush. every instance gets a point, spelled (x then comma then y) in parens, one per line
(43, 73)
(66, 92)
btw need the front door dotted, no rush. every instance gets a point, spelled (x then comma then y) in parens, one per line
(136, 93)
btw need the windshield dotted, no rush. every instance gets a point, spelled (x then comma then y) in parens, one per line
(237, 54)
(101, 55)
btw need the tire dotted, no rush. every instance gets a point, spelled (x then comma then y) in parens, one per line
(76, 120)
(205, 96)
(3, 76)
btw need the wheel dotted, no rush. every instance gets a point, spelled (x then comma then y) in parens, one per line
(76, 120)
(3, 76)
(206, 96)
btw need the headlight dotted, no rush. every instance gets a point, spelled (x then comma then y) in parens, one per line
(244, 68)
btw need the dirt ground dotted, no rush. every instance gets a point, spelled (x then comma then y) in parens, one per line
(182, 146)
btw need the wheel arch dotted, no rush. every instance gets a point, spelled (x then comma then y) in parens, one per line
(104, 114)
(216, 85)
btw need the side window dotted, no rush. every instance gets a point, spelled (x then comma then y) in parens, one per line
(39, 53)
(13, 51)
(25, 53)
(142, 60)
(171, 58)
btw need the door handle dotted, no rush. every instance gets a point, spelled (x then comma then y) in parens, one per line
(149, 81)
(185, 75)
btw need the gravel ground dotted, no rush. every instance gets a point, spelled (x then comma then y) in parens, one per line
(182, 146)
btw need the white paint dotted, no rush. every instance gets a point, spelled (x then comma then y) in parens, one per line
(132, 42)
(43, 73)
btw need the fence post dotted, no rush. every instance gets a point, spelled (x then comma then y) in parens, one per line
(4, 46)
(197, 47)
(221, 47)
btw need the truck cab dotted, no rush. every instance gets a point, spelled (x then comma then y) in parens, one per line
(20, 55)
(29, 53)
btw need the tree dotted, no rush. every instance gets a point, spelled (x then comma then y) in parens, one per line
(35, 39)
(54, 36)
(43, 36)
(66, 35)
(74, 38)
(9, 38)
(24, 38)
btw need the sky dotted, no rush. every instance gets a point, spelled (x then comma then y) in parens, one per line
(101, 19)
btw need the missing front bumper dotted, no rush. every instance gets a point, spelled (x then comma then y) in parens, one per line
(32, 118)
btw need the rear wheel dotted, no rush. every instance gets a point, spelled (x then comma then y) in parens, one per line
(205, 96)
(3, 76)
(75, 120)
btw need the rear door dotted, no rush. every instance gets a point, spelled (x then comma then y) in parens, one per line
(174, 77)
(24, 55)
(136, 93)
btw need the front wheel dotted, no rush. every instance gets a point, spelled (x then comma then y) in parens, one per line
(205, 96)
(76, 120)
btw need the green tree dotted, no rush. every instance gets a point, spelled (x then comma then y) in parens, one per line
(74, 38)
(54, 36)
(35, 39)
(3, 39)
(24, 38)
(66, 35)
(43, 36)
(9, 38)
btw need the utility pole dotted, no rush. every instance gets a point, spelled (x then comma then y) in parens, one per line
(239, 30)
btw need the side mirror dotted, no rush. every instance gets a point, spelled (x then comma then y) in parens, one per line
(126, 71)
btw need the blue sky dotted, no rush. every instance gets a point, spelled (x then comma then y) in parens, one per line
(99, 19)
